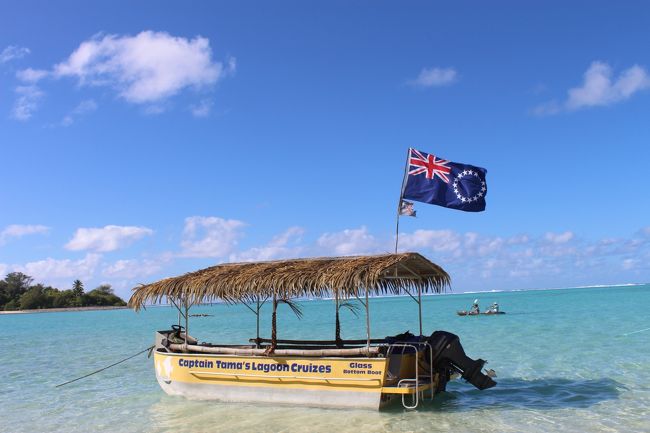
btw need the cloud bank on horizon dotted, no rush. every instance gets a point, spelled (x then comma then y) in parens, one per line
(468, 257)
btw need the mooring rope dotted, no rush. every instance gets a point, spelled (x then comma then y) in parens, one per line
(150, 348)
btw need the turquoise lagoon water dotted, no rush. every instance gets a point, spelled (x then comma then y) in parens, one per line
(563, 359)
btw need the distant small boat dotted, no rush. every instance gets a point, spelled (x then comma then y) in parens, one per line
(201, 315)
(487, 313)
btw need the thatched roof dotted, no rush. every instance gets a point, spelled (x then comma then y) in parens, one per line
(317, 277)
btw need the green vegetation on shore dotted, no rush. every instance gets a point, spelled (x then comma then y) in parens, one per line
(18, 293)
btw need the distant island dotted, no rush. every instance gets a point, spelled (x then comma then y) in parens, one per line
(17, 292)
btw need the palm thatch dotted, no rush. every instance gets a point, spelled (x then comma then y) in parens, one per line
(316, 277)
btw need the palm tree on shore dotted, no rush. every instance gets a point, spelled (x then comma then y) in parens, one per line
(78, 292)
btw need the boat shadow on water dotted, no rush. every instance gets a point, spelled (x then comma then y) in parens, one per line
(172, 413)
(516, 393)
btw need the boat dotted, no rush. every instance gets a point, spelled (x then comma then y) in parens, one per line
(486, 313)
(369, 373)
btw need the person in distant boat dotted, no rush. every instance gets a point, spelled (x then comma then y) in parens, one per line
(494, 308)
(475, 309)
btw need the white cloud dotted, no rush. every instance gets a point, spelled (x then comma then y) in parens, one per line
(518, 239)
(20, 230)
(599, 89)
(52, 271)
(13, 52)
(456, 245)
(31, 75)
(131, 269)
(231, 67)
(547, 109)
(560, 258)
(84, 107)
(519, 273)
(559, 238)
(434, 77)
(27, 102)
(202, 109)
(153, 109)
(490, 246)
(436, 240)
(490, 255)
(281, 246)
(629, 264)
(348, 242)
(145, 68)
(210, 236)
(4, 270)
(108, 238)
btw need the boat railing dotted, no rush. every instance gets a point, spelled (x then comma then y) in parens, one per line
(318, 342)
(371, 351)
(417, 382)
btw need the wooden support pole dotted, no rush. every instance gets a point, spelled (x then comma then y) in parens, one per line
(187, 322)
(257, 340)
(337, 325)
(367, 322)
(274, 335)
(420, 306)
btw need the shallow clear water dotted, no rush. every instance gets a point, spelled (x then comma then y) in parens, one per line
(562, 357)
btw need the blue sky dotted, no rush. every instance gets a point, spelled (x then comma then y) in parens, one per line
(143, 140)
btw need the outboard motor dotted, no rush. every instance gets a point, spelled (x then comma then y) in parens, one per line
(448, 354)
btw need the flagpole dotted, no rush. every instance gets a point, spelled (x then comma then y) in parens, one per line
(399, 202)
(397, 229)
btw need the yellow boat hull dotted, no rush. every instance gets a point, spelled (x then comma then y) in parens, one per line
(321, 382)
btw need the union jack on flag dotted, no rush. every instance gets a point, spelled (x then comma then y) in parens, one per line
(430, 165)
(434, 180)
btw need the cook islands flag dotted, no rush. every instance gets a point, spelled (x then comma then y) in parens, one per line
(433, 180)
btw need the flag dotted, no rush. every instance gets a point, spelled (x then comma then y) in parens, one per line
(433, 180)
(406, 208)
